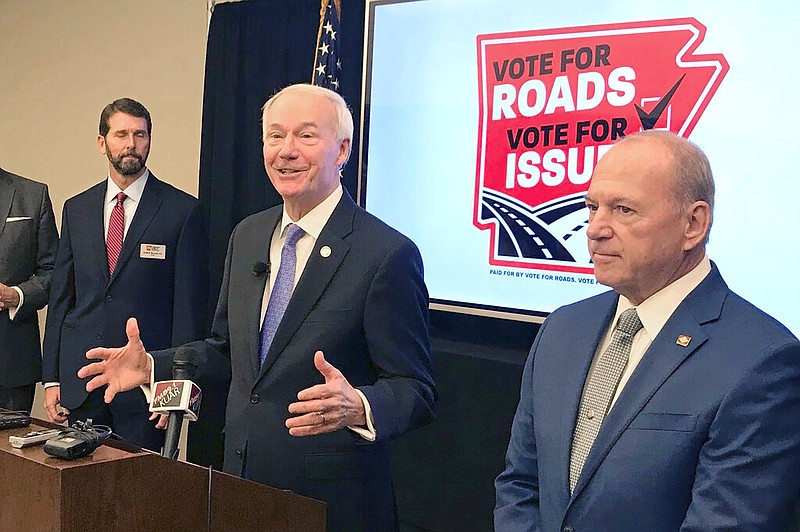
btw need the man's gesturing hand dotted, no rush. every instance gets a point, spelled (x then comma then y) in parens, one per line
(326, 407)
(9, 297)
(121, 368)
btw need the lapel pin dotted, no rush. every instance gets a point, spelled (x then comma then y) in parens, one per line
(683, 340)
(325, 251)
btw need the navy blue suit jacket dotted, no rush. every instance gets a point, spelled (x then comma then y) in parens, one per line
(702, 437)
(28, 243)
(365, 305)
(89, 308)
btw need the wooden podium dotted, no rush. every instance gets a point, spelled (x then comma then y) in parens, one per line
(114, 489)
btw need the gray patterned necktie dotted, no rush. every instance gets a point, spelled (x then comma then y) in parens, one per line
(599, 391)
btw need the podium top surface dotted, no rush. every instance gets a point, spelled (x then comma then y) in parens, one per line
(104, 453)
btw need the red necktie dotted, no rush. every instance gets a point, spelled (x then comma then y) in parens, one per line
(116, 232)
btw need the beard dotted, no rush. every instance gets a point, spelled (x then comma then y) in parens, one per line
(127, 163)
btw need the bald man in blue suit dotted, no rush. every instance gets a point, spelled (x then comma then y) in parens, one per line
(703, 429)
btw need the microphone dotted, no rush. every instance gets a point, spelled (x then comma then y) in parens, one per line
(260, 268)
(179, 397)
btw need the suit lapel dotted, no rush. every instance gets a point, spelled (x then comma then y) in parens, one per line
(317, 274)
(261, 243)
(94, 226)
(662, 358)
(6, 196)
(145, 212)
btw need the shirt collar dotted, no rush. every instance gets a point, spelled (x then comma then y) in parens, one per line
(134, 190)
(657, 309)
(315, 219)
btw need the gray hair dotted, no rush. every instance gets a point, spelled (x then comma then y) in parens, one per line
(344, 118)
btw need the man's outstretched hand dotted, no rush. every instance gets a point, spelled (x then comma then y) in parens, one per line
(326, 407)
(121, 368)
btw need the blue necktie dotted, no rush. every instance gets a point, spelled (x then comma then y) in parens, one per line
(281, 290)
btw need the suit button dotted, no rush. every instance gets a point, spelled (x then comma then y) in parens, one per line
(99, 336)
(254, 398)
(239, 453)
(108, 298)
(567, 529)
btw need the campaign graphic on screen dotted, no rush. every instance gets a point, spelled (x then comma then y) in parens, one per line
(484, 120)
(552, 102)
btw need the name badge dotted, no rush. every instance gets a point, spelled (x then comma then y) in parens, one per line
(153, 251)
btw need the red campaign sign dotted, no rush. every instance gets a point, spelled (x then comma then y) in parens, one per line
(551, 102)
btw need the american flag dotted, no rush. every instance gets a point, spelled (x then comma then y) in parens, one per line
(326, 59)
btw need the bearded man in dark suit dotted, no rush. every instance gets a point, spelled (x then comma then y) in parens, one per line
(132, 245)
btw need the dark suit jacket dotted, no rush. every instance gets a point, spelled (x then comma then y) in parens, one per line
(88, 309)
(27, 253)
(366, 307)
(702, 437)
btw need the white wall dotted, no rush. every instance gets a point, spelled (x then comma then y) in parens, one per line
(61, 62)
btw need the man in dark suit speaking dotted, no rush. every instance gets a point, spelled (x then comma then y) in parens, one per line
(28, 243)
(131, 245)
(322, 318)
(669, 403)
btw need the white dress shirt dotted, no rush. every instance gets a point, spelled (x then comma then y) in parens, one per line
(134, 197)
(312, 224)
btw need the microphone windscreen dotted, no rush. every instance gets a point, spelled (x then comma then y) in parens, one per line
(181, 396)
(185, 362)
